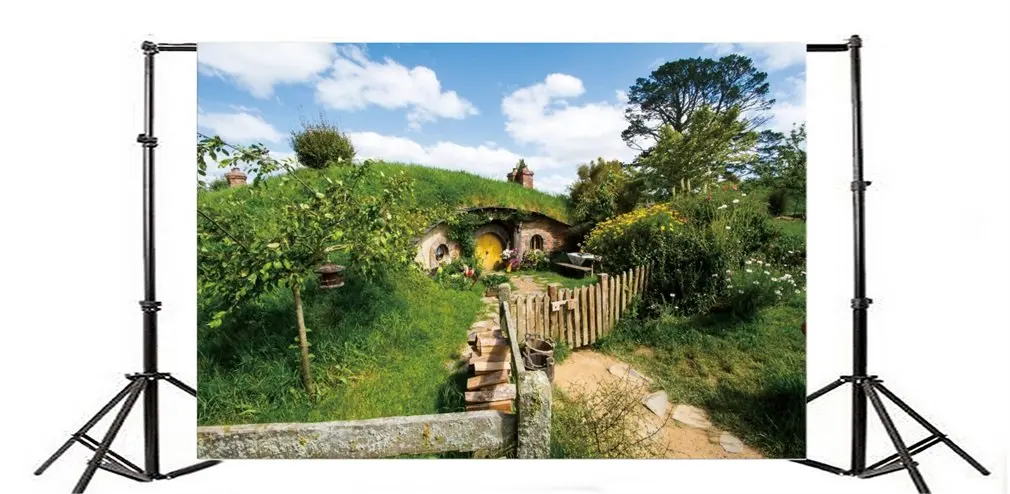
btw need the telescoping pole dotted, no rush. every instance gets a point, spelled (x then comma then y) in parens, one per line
(859, 301)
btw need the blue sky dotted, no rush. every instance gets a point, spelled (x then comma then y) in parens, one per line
(475, 107)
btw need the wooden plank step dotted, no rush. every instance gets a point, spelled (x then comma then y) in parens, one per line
(485, 345)
(486, 367)
(491, 357)
(504, 406)
(496, 393)
(485, 380)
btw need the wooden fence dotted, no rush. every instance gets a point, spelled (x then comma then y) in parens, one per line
(578, 316)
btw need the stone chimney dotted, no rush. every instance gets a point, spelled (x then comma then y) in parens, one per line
(521, 174)
(235, 177)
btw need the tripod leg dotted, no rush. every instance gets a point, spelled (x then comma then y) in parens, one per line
(83, 430)
(923, 422)
(892, 431)
(825, 390)
(135, 389)
(181, 385)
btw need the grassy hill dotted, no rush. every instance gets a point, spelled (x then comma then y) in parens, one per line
(436, 190)
(381, 348)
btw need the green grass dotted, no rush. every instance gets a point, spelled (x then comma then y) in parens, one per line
(796, 228)
(547, 277)
(435, 190)
(750, 376)
(380, 350)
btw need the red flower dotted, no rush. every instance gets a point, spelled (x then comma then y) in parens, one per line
(734, 187)
(708, 198)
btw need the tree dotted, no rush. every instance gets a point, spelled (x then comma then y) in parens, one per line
(604, 189)
(781, 164)
(254, 255)
(676, 90)
(711, 145)
(320, 144)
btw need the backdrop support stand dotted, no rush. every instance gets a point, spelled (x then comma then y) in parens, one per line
(866, 387)
(146, 382)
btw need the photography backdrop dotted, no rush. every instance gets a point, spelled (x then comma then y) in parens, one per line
(938, 327)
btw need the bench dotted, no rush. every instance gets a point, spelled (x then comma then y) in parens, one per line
(582, 269)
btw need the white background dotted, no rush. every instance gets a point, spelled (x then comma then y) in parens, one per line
(936, 93)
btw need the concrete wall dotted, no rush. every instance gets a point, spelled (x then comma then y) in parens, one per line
(489, 430)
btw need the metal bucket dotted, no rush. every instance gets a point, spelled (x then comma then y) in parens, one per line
(540, 362)
(543, 346)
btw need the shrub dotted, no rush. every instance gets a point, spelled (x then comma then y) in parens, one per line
(461, 274)
(755, 286)
(492, 280)
(788, 247)
(739, 221)
(607, 422)
(535, 259)
(320, 144)
(682, 257)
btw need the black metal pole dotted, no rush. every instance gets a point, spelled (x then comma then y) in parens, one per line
(859, 300)
(150, 305)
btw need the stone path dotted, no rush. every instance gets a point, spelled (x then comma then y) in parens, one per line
(683, 431)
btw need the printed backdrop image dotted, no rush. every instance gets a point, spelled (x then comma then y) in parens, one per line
(501, 250)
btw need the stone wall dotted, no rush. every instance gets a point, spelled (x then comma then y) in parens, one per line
(553, 233)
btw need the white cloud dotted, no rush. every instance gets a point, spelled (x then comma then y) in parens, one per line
(356, 82)
(767, 56)
(622, 96)
(656, 63)
(258, 67)
(568, 133)
(239, 127)
(790, 104)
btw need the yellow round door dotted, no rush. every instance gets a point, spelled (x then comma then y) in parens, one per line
(489, 249)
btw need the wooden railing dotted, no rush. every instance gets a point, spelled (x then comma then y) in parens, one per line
(579, 316)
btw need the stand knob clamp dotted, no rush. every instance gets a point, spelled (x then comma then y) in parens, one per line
(147, 141)
(860, 185)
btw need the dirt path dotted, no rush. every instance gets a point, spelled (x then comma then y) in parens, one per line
(526, 284)
(584, 370)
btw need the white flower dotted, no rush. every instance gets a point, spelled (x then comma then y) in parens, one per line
(715, 275)
(722, 207)
(745, 195)
(767, 273)
(750, 270)
(675, 307)
(756, 283)
(778, 292)
(673, 296)
(748, 262)
(739, 291)
(727, 227)
(797, 291)
(729, 286)
(736, 201)
(729, 272)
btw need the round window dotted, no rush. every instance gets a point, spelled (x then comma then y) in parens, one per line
(441, 252)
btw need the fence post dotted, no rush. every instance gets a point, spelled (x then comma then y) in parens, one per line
(605, 303)
(534, 396)
(553, 322)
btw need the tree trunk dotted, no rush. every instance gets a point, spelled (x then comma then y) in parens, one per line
(303, 343)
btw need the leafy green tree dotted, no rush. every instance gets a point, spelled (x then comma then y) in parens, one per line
(692, 160)
(604, 189)
(250, 257)
(320, 144)
(677, 89)
(781, 165)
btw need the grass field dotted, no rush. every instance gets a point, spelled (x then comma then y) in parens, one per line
(380, 350)
(750, 376)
